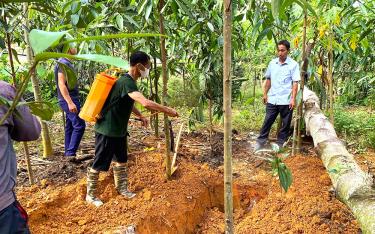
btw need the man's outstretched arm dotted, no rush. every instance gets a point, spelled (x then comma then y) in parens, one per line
(148, 104)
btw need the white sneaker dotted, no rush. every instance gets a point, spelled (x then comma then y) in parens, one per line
(258, 146)
(94, 200)
(128, 194)
(277, 147)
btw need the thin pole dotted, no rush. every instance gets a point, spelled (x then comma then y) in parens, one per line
(227, 83)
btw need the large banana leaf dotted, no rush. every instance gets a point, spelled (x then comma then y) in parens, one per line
(110, 60)
(42, 40)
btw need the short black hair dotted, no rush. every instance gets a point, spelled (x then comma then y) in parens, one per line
(139, 57)
(285, 43)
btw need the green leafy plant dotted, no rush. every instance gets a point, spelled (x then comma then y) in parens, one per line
(279, 168)
(284, 173)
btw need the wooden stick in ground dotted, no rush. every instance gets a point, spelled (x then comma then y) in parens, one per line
(173, 167)
(294, 145)
(29, 170)
(353, 186)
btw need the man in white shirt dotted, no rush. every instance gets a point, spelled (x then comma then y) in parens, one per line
(279, 94)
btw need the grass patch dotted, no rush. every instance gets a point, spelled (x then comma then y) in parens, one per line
(356, 125)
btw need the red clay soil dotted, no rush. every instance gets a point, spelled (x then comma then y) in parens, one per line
(308, 206)
(193, 201)
(160, 206)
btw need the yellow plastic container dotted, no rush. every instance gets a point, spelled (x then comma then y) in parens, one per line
(97, 96)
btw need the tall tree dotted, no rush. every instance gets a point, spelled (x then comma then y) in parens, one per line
(47, 145)
(165, 91)
(227, 106)
(302, 85)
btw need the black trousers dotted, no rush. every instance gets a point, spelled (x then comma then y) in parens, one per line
(108, 148)
(271, 114)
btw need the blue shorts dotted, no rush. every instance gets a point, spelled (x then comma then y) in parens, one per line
(13, 219)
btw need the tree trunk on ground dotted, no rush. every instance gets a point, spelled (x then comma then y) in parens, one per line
(354, 187)
(46, 140)
(165, 91)
(227, 83)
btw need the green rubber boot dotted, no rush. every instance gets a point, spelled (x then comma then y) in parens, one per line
(92, 185)
(121, 181)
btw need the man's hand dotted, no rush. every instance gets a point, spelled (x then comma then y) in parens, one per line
(72, 107)
(144, 121)
(265, 98)
(292, 104)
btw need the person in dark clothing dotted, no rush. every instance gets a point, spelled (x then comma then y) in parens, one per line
(22, 127)
(69, 103)
(279, 94)
(111, 128)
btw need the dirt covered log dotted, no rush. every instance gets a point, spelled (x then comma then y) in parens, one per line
(353, 186)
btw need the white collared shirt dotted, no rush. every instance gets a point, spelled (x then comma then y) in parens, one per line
(282, 77)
